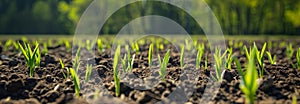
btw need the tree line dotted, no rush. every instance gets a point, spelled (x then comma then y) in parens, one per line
(235, 16)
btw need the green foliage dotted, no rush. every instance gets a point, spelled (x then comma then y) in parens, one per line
(290, 53)
(76, 62)
(182, 57)
(298, 58)
(206, 62)
(32, 57)
(124, 66)
(199, 55)
(45, 49)
(16, 45)
(7, 44)
(260, 59)
(163, 65)
(272, 59)
(229, 58)
(89, 45)
(76, 81)
(130, 62)
(88, 71)
(62, 65)
(247, 52)
(188, 45)
(115, 71)
(100, 45)
(67, 45)
(294, 99)
(218, 65)
(135, 47)
(248, 80)
(150, 55)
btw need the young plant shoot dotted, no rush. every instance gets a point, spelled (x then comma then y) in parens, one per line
(45, 49)
(100, 45)
(130, 63)
(289, 54)
(124, 66)
(76, 81)
(32, 57)
(260, 59)
(67, 45)
(163, 65)
(150, 55)
(271, 59)
(62, 65)
(182, 57)
(248, 80)
(115, 71)
(229, 58)
(199, 56)
(76, 62)
(218, 65)
(298, 58)
(88, 72)
(206, 62)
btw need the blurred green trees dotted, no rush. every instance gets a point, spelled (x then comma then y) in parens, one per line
(235, 16)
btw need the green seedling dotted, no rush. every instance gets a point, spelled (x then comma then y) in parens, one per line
(130, 62)
(135, 47)
(7, 44)
(89, 45)
(188, 46)
(248, 80)
(218, 65)
(124, 66)
(67, 45)
(247, 52)
(199, 55)
(150, 55)
(76, 81)
(271, 59)
(182, 57)
(260, 59)
(206, 62)
(115, 71)
(62, 65)
(298, 58)
(32, 57)
(289, 53)
(45, 49)
(270, 45)
(76, 62)
(50, 42)
(16, 45)
(294, 99)
(88, 72)
(163, 65)
(100, 45)
(229, 58)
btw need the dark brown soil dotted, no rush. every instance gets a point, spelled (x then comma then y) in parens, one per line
(48, 85)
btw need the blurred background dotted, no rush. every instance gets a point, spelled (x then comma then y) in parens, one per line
(236, 17)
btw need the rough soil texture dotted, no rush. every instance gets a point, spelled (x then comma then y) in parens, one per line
(48, 84)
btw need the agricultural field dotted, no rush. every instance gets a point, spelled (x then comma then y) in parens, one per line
(251, 70)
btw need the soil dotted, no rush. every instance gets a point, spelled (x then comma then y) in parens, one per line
(48, 85)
